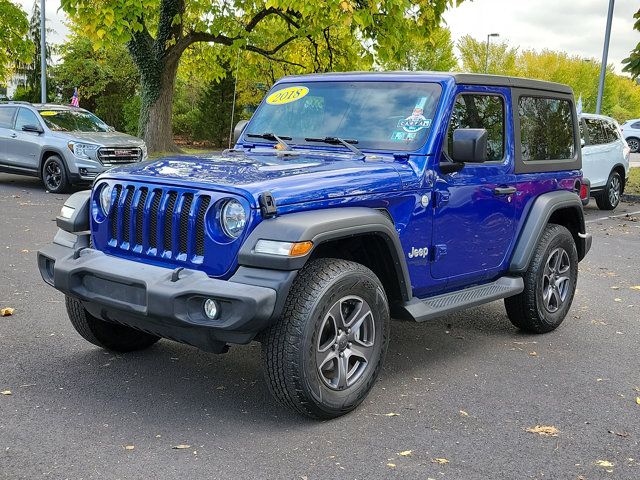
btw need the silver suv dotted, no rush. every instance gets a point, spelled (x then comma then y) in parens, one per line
(62, 145)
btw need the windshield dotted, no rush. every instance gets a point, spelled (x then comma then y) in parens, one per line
(375, 115)
(72, 121)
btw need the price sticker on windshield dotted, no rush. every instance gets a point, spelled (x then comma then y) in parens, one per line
(48, 113)
(287, 95)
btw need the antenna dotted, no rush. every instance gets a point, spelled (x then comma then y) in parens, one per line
(233, 106)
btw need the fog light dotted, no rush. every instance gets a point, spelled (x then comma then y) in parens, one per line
(211, 308)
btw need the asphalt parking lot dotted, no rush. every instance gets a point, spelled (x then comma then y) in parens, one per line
(456, 396)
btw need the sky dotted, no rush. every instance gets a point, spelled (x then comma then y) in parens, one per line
(527, 24)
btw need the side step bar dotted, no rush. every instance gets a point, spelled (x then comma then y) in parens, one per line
(432, 307)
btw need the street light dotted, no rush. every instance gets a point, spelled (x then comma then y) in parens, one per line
(486, 59)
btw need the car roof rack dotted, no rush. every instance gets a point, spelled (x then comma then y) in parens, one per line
(15, 102)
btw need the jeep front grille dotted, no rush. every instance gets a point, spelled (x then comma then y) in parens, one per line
(117, 155)
(159, 222)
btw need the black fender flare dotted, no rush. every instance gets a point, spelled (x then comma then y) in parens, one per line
(321, 226)
(538, 217)
(55, 151)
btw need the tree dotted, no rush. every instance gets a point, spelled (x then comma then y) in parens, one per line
(158, 32)
(428, 52)
(632, 62)
(31, 69)
(500, 59)
(106, 77)
(14, 44)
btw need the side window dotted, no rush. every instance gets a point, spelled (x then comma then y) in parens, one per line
(546, 128)
(6, 117)
(26, 117)
(610, 131)
(480, 111)
(596, 131)
(636, 125)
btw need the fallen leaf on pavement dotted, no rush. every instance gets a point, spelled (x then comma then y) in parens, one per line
(391, 465)
(5, 312)
(638, 400)
(6, 392)
(604, 463)
(617, 299)
(635, 287)
(405, 453)
(181, 447)
(441, 461)
(544, 430)
(533, 354)
(620, 434)
(463, 413)
(392, 414)
(129, 447)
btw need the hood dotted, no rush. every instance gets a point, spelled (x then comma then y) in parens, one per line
(106, 139)
(290, 179)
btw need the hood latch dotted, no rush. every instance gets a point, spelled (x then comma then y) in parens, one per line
(267, 205)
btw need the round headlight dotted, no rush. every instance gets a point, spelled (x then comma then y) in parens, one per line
(105, 198)
(233, 218)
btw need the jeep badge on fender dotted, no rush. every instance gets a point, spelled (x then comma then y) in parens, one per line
(346, 197)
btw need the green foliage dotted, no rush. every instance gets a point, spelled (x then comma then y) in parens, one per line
(106, 78)
(131, 115)
(14, 44)
(500, 59)
(632, 62)
(431, 52)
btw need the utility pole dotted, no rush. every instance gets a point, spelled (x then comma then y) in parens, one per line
(605, 53)
(43, 55)
(486, 58)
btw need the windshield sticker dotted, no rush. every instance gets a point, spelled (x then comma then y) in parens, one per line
(48, 114)
(287, 95)
(399, 136)
(416, 121)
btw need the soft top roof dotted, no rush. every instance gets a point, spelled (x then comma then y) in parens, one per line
(460, 78)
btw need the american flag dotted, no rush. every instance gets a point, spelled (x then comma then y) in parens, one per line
(75, 101)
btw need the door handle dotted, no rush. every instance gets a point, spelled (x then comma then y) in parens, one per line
(504, 190)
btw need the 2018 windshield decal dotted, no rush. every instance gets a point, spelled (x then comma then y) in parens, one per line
(416, 121)
(287, 95)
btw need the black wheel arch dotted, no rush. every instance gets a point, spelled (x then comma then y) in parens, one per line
(360, 234)
(50, 152)
(559, 207)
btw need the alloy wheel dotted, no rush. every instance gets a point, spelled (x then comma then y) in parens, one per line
(345, 345)
(52, 175)
(556, 280)
(614, 190)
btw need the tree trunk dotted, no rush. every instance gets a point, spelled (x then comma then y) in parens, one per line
(155, 124)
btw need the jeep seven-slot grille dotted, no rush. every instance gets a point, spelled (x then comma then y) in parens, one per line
(159, 222)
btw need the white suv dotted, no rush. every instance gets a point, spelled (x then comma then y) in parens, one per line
(605, 159)
(631, 131)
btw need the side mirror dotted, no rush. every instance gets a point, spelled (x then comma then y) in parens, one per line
(32, 128)
(469, 145)
(237, 131)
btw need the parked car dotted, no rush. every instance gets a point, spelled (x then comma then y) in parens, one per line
(61, 145)
(605, 159)
(631, 131)
(347, 198)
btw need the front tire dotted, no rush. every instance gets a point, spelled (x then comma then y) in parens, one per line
(54, 175)
(325, 353)
(549, 283)
(610, 197)
(634, 144)
(109, 336)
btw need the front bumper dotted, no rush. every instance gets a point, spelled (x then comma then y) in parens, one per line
(162, 301)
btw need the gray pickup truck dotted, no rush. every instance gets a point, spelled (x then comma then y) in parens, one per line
(60, 144)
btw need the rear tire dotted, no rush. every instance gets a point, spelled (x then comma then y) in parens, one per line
(110, 336)
(324, 354)
(610, 197)
(549, 283)
(54, 175)
(634, 144)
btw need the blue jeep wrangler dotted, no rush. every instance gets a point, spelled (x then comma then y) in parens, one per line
(347, 199)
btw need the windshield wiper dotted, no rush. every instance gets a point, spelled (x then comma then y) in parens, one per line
(272, 136)
(339, 141)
